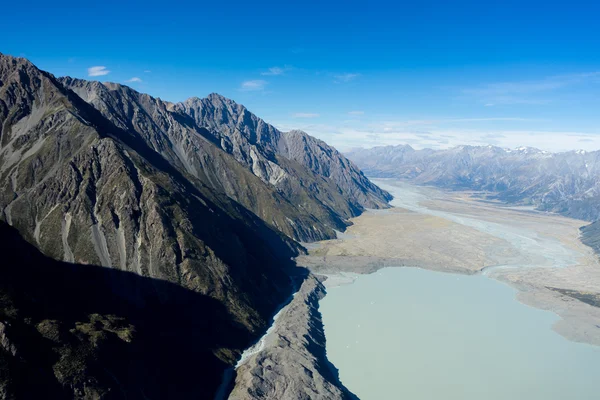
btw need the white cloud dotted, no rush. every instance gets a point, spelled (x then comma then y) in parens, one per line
(305, 115)
(253, 85)
(343, 78)
(422, 134)
(276, 71)
(98, 71)
(356, 112)
(134, 79)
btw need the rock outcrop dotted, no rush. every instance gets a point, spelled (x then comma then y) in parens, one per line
(293, 363)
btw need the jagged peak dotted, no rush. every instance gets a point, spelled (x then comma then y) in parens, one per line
(527, 149)
(298, 132)
(308, 137)
(69, 80)
(192, 99)
(404, 147)
(7, 58)
(215, 95)
(211, 96)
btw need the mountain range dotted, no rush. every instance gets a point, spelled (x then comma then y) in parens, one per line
(567, 183)
(147, 242)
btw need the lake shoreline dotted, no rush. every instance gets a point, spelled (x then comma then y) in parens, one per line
(547, 263)
(291, 361)
(333, 263)
(368, 337)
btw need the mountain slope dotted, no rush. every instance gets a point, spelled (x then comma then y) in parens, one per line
(242, 133)
(590, 235)
(145, 249)
(83, 331)
(85, 191)
(231, 150)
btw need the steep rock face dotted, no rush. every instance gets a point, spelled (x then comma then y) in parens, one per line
(312, 170)
(237, 129)
(83, 190)
(230, 149)
(326, 161)
(194, 150)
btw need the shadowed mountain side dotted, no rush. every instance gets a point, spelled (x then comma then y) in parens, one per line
(82, 190)
(93, 193)
(590, 235)
(69, 330)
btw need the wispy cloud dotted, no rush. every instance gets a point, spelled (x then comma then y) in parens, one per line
(305, 115)
(273, 71)
(343, 78)
(356, 112)
(439, 133)
(345, 137)
(396, 125)
(253, 85)
(147, 71)
(489, 119)
(528, 92)
(134, 79)
(98, 70)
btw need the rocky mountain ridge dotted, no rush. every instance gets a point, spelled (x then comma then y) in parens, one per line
(312, 187)
(98, 177)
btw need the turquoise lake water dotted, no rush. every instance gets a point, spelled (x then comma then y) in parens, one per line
(408, 333)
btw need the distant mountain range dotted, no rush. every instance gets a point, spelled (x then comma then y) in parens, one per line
(567, 183)
(197, 207)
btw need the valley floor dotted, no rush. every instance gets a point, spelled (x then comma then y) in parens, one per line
(539, 254)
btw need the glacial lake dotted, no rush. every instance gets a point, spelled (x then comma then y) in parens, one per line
(408, 333)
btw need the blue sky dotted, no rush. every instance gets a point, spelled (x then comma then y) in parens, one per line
(431, 74)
